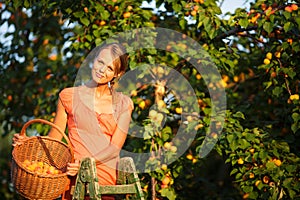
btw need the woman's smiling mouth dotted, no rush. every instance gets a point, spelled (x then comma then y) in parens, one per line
(99, 75)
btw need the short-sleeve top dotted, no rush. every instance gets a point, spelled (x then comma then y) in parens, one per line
(84, 124)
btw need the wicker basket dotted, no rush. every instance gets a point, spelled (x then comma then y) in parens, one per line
(33, 185)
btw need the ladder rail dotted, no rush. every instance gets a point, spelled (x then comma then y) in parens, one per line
(87, 181)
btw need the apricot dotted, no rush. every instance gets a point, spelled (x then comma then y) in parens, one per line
(166, 180)
(240, 161)
(126, 14)
(294, 7)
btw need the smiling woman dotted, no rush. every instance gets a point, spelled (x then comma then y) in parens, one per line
(107, 66)
(97, 117)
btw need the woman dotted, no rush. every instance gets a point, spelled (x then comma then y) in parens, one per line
(96, 115)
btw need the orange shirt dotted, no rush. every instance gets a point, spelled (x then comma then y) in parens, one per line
(90, 132)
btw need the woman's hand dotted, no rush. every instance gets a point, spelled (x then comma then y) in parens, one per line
(72, 168)
(18, 139)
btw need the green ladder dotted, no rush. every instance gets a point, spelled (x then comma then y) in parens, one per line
(128, 183)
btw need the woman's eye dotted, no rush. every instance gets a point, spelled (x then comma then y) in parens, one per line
(110, 68)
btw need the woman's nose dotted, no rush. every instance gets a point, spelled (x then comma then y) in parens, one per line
(102, 69)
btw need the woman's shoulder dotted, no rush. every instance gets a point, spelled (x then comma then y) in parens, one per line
(67, 94)
(70, 90)
(67, 90)
(125, 101)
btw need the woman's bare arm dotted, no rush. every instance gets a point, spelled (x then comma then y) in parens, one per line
(118, 139)
(60, 120)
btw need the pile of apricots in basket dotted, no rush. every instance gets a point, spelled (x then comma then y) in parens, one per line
(40, 167)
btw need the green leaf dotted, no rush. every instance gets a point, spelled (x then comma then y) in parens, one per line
(297, 19)
(296, 117)
(96, 33)
(277, 91)
(229, 138)
(233, 145)
(182, 23)
(235, 170)
(176, 7)
(287, 182)
(98, 41)
(253, 195)
(268, 84)
(289, 71)
(295, 127)
(170, 194)
(287, 26)
(105, 15)
(268, 27)
(239, 115)
(238, 176)
(244, 144)
(85, 21)
(292, 193)
(263, 155)
(200, 20)
(207, 23)
(212, 33)
(89, 38)
(26, 3)
(78, 14)
(247, 189)
(244, 22)
(270, 165)
(287, 15)
(291, 168)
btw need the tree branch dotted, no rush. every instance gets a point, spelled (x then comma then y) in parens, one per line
(234, 31)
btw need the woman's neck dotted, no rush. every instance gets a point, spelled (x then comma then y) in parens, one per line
(99, 90)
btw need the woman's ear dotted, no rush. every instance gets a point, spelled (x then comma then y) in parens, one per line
(118, 75)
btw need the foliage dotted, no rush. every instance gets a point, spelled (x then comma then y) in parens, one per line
(256, 51)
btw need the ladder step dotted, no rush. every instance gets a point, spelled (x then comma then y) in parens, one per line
(118, 189)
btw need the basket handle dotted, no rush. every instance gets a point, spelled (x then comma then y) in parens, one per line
(25, 126)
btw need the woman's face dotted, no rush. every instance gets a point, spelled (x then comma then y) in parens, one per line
(103, 69)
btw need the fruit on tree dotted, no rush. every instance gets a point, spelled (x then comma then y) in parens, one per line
(266, 179)
(126, 14)
(164, 167)
(257, 183)
(161, 104)
(173, 149)
(102, 23)
(288, 9)
(240, 161)
(277, 162)
(269, 55)
(133, 93)
(267, 61)
(294, 97)
(142, 104)
(166, 180)
(294, 7)
(193, 13)
(178, 110)
(277, 54)
(129, 8)
(167, 145)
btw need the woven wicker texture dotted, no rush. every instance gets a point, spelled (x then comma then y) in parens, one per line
(33, 185)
